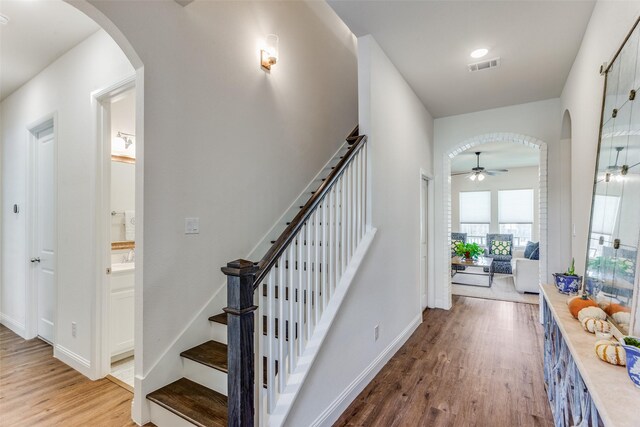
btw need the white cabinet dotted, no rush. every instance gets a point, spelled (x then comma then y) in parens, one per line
(121, 306)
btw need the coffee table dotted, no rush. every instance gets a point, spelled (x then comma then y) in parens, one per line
(480, 263)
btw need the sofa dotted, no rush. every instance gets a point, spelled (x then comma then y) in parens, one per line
(526, 277)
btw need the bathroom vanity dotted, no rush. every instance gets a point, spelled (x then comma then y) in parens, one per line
(121, 309)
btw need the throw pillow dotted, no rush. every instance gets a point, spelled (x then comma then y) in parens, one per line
(454, 244)
(535, 254)
(500, 247)
(528, 250)
(532, 251)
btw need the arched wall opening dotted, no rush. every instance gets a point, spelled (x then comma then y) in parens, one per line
(515, 138)
(566, 203)
(138, 409)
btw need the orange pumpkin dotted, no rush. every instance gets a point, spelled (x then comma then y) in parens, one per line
(577, 304)
(613, 308)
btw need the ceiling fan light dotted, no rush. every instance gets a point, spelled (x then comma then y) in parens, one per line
(481, 177)
(472, 177)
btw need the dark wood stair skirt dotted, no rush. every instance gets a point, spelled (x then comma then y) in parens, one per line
(193, 402)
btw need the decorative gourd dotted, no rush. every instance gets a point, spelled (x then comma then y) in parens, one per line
(572, 298)
(577, 304)
(595, 325)
(611, 352)
(591, 312)
(613, 308)
(622, 318)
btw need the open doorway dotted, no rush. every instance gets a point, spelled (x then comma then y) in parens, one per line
(425, 236)
(496, 222)
(116, 286)
(52, 175)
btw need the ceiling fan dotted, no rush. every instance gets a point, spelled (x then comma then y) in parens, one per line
(479, 172)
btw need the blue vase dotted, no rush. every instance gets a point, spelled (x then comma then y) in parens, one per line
(567, 284)
(633, 362)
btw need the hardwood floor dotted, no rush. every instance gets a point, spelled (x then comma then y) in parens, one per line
(38, 390)
(479, 364)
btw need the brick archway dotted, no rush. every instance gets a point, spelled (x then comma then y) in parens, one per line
(514, 138)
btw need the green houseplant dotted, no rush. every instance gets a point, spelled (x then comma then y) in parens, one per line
(469, 250)
(568, 282)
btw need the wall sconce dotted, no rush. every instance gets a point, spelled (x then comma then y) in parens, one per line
(269, 55)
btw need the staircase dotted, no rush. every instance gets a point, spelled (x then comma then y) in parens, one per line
(300, 284)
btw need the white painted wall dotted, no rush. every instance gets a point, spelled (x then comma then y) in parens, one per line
(539, 120)
(224, 140)
(515, 179)
(63, 88)
(386, 291)
(582, 96)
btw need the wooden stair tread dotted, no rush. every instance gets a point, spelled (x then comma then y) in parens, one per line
(193, 402)
(219, 318)
(211, 353)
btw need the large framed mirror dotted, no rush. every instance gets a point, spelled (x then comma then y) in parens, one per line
(122, 202)
(614, 233)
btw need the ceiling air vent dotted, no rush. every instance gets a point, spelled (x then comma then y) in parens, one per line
(485, 65)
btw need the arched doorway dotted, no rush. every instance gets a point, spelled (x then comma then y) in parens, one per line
(566, 203)
(60, 122)
(514, 138)
(138, 408)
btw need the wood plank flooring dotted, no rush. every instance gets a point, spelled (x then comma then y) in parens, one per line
(38, 390)
(479, 364)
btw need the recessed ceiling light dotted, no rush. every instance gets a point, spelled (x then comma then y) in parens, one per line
(479, 53)
(4, 20)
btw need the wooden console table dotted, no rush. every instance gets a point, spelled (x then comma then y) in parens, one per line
(582, 389)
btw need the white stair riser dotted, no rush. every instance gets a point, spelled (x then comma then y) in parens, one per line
(204, 375)
(164, 418)
(219, 332)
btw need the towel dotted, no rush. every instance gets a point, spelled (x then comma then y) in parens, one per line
(129, 225)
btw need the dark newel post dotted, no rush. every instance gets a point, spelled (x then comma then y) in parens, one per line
(240, 356)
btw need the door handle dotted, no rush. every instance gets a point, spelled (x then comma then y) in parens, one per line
(35, 259)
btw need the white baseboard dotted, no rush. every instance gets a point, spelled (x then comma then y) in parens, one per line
(14, 325)
(74, 360)
(342, 402)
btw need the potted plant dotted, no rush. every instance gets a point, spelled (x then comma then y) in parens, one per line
(469, 250)
(631, 347)
(568, 282)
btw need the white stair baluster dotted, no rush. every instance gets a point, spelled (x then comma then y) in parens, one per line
(271, 339)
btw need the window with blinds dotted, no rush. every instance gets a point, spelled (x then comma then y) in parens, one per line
(475, 215)
(515, 214)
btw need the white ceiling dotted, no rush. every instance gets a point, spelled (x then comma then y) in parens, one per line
(430, 42)
(38, 33)
(496, 155)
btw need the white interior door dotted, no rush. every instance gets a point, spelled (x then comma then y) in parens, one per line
(424, 238)
(43, 260)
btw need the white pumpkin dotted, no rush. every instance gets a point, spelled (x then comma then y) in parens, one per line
(611, 352)
(591, 312)
(595, 325)
(622, 317)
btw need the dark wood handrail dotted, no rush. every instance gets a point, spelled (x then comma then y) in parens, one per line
(289, 233)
